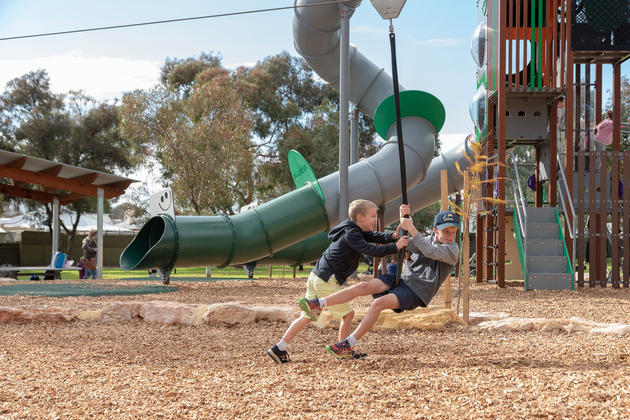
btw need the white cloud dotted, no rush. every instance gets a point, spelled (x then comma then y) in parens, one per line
(439, 42)
(104, 78)
(234, 66)
(451, 140)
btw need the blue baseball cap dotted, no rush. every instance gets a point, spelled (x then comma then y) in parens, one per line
(446, 219)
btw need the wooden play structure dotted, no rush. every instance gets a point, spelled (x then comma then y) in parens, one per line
(540, 79)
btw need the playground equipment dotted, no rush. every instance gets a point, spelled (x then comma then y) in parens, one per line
(270, 228)
(528, 53)
(531, 55)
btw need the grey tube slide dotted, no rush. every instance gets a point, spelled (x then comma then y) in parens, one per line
(316, 35)
(270, 228)
(429, 190)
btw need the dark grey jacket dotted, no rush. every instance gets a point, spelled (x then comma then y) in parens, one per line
(433, 265)
(89, 248)
(342, 256)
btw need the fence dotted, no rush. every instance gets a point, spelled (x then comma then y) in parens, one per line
(35, 249)
(602, 201)
(600, 25)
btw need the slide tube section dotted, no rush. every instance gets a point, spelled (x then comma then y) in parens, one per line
(226, 240)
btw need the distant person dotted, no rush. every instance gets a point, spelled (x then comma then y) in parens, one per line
(350, 238)
(603, 135)
(89, 255)
(81, 265)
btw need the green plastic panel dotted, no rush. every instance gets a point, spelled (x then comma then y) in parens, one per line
(303, 252)
(483, 80)
(540, 44)
(192, 241)
(413, 103)
(495, 44)
(302, 173)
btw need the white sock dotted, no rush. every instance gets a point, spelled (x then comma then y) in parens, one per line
(282, 345)
(322, 302)
(351, 340)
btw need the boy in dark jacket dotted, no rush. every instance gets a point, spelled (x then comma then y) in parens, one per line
(350, 239)
(420, 281)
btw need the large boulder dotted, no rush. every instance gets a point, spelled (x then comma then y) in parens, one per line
(167, 312)
(120, 311)
(35, 314)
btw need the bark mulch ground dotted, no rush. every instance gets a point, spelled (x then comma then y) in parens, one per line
(142, 370)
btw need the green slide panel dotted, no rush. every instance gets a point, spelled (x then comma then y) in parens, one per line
(221, 240)
(304, 252)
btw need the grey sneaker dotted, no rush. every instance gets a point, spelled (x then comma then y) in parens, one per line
(278, 355)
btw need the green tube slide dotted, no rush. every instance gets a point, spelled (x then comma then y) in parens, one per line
(224, 240)
(304, 252)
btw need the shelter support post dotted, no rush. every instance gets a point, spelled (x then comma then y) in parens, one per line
(100, 195)
(55, 224)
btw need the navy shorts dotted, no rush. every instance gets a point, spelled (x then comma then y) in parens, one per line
(407, 298)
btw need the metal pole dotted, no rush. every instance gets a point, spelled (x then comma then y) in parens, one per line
(401, 145)
(55, 225)
(100, 194)
(354, 137)
(344, 87)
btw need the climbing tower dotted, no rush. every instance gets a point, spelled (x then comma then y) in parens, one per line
(535, 89)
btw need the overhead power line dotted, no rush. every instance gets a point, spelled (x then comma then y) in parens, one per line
(157, 22)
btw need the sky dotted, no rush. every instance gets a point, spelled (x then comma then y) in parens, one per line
(432, 38)
(432, 55)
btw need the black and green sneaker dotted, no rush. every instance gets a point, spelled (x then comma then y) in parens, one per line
(356, 355)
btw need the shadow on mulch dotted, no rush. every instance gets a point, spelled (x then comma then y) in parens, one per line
(192, 279)
(76, 289)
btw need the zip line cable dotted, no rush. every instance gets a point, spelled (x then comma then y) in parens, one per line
(156, 22)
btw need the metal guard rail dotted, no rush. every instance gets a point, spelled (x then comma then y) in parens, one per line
(566, 192)
(521, 206)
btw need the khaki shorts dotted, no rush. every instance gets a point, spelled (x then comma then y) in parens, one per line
(318, 287)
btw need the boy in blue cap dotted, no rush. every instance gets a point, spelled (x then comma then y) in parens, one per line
(420, 281)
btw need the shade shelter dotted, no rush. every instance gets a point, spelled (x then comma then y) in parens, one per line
(59, 184)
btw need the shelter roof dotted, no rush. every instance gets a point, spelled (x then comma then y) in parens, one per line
(41, 180)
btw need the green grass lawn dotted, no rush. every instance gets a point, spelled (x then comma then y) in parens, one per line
(200, 272)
